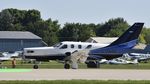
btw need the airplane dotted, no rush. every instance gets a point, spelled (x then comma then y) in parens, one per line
(11, 54)
(139, 56)
(60, 51)
(96, 51)
(5, 56)
(122, 61)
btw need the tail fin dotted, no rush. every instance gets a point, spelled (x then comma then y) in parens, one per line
(126, 41)
(131, 34)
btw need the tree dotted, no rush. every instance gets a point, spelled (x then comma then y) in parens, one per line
(46, 29)
(76, 32)
(86, 31)
(31, 16)
(145, 35)
(6, 21)
(112, 28)
(69, 32)
(50, 31)
(22, 20)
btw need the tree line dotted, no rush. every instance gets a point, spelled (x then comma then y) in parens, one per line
(51, 32)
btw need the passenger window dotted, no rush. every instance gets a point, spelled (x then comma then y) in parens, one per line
(72, 46)
(79, 46)
(64, 47)
(30, 51)
(89, 46)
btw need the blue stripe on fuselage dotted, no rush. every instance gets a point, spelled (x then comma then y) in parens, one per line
(120, 48)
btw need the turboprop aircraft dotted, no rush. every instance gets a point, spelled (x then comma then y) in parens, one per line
(60, 51)
(96, 51)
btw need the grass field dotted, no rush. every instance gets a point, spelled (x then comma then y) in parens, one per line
(77, 82)
(56, 65)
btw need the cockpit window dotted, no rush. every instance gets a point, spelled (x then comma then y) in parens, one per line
(72, 46)
(89, 46)
(64, 46)
(79, 46)
(30, 51)
(57, 45)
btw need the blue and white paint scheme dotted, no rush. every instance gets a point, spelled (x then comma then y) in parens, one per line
(96, 51)
(125, 42)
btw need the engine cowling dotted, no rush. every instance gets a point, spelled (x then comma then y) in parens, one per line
(68, 53)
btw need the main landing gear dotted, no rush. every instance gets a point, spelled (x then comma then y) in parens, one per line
(93, 64)
(67, 65)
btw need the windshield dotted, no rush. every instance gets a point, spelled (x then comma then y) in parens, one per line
(57, 45)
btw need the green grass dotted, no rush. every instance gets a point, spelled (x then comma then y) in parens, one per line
(56, 65)
(78, 82)
(15, 70)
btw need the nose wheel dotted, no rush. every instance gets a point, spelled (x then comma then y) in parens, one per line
(67, 66)
(35, 66)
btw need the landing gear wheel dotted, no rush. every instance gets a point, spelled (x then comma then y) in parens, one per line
(67, 66)
(93, 64)
(35, 67)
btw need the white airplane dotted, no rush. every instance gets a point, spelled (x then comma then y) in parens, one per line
(3, 58)
(11, 54)
(90, 51)
(8, 55)
(59, 51)
(139, 56)
(122, 61)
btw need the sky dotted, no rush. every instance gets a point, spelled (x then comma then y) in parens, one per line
(85, 11)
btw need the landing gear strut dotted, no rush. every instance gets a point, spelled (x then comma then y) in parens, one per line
(35, 66)
(67, 65)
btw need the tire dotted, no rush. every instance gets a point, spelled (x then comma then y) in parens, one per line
(67, 66)
(35, 67)
(93, 64)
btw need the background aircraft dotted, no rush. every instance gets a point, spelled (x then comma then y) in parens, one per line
(139, 56)
(122, 61)
(5, 56)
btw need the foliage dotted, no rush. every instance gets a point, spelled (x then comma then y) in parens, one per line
(51, 32)
(112, 28)
(22, 20)
(76, 32)
(146, 35)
